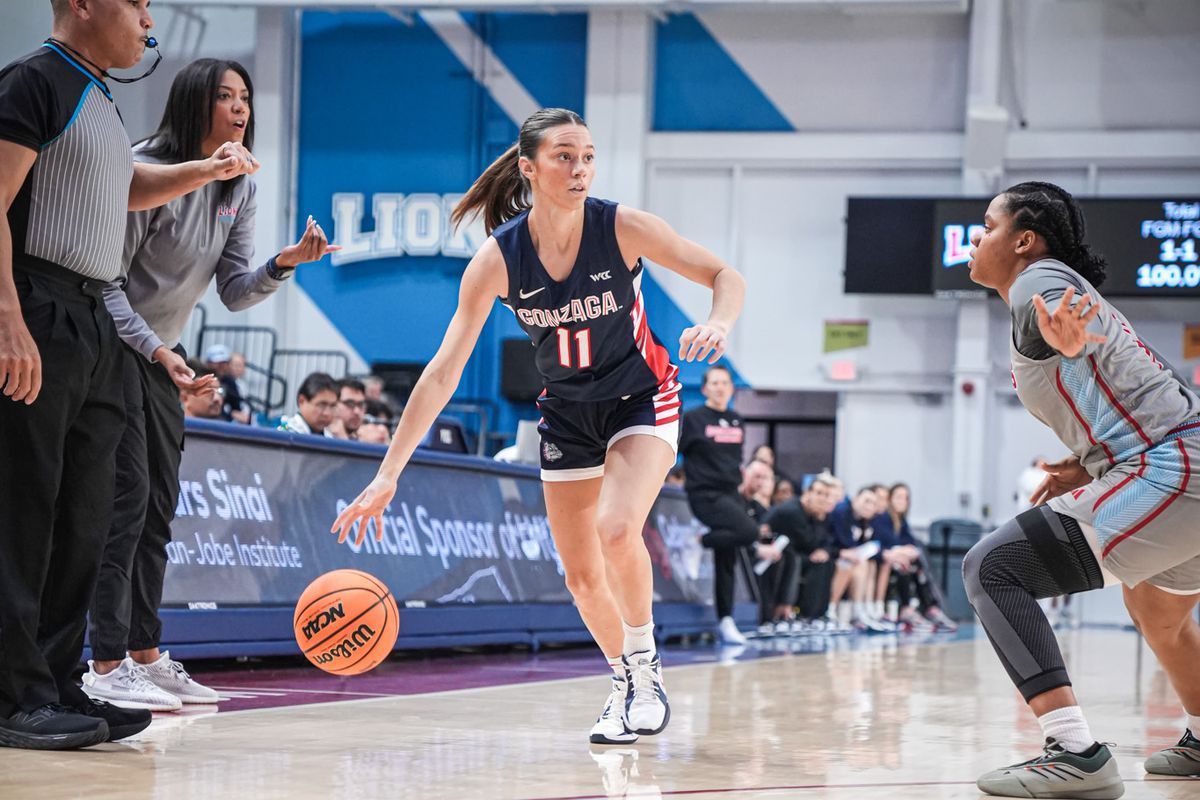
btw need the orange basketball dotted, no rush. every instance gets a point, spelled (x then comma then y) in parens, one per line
(346, 622)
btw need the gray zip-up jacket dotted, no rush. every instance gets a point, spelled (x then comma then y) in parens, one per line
(173, 252)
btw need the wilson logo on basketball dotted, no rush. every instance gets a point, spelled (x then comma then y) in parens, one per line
(344, 649)
(322, 619)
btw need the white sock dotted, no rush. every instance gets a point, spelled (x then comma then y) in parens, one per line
(1068, 726)
(617, 667)
(639, 638)
(857, 611)
(1193, 721)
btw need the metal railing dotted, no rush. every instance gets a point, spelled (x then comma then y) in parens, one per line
(257, 344)
(291, 367)
(192, 330)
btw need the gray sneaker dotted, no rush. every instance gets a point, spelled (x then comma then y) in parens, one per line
(1059, 773)
(1182, 759)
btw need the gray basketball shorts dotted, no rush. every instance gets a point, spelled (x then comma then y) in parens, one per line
(1142, 517)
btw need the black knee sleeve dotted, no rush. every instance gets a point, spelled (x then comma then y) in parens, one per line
(1039, 554)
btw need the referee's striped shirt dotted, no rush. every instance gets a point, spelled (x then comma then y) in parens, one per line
(71, 209)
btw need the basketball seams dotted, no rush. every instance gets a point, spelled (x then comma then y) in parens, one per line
(336, 588)
(378, 638)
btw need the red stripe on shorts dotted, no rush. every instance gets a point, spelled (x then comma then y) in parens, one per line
(1187, 474)
(1121, 485)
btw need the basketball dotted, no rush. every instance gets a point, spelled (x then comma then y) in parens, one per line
(346, 622)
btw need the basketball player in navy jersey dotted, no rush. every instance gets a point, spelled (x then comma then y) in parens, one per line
(570, 268)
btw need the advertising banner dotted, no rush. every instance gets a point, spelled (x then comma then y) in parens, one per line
(252, 529)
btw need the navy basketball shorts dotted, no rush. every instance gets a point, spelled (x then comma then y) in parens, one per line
(576, 435)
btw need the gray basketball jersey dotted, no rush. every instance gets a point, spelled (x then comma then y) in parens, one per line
(1113, 401)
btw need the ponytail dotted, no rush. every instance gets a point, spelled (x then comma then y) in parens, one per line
(500, 193)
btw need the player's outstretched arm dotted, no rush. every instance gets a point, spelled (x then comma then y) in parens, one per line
(484, 280)
(643, 234)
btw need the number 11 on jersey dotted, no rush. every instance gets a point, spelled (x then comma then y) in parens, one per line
(583, 342)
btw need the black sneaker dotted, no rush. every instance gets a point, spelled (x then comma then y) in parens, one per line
(122, 722)
(52, 727)
(1182, 759)
(1059, 773)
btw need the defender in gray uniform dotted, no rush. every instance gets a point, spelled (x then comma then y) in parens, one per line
(1123, 508)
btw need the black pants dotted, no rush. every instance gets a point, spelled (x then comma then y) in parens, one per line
(56, 470)
(129, 590)
(918, 583)
(730, 530)
(816, 584)
(778, 585)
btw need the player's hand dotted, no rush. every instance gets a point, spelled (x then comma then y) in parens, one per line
(313, 245)
(367, 506)
(20, 362)
(1066, 329)
(181, 374)
(1061, 477)
(231, 160)
(701, 341)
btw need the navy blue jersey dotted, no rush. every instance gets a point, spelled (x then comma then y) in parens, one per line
(589, 330)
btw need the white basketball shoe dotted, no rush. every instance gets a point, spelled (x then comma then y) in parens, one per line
(170, 676)
(128, 686)
(647, 710)
(610, 726)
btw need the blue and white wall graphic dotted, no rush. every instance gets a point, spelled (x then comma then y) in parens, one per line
(397, 118)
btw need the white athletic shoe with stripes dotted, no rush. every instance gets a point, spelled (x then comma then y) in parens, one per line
(610, 726)
(128, 686)
(1059, 773)
(170, 676)
(647, 710)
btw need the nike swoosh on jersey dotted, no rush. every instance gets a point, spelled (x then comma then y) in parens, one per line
(526, 295)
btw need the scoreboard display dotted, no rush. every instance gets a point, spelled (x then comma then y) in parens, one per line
(1151, 245)
(921, 245)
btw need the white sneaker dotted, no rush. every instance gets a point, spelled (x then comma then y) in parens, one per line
(727, 629)
(647, 710)
(172, 677)
(128, 686)
(610, 726)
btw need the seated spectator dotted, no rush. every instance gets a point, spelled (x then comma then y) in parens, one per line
(233, 409)
(378, 424)
(766, 454)
(317, 401)
(803, 521)
(374, 387)
(912, 576)
(237, 371)
(855, 538)
(205, 403)
(784, 491)
(351, 421)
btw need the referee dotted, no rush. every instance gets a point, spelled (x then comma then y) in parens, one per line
(67, 178)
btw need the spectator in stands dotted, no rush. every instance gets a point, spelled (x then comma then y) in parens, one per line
(317, 401)
(66, 184)
(784, 491)
(710, 441)
(218, 358)
(172, 254)
(204, 401)
(854, 536)
(912, 575)
(766, 454)
(351, 422)
(237, 371)
(375, 392)
(803, 521)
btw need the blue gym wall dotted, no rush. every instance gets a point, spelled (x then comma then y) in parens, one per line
(386, 107)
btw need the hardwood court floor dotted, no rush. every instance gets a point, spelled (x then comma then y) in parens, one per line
(870, 717)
